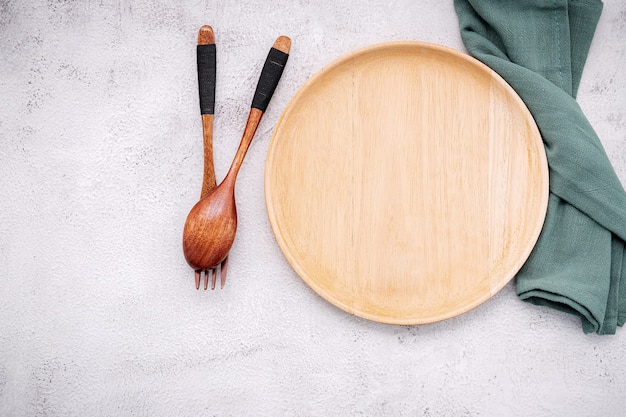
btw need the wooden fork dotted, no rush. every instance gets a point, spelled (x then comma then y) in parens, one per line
(206, 57)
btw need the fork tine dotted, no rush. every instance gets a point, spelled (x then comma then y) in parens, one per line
(197, 276)
(206, 279)
(223, 269)
(214, 278)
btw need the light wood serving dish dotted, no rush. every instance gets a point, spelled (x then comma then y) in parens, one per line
(406, 183)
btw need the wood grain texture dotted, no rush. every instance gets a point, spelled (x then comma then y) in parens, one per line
(210, 227)
(208, 179)
(406, 183)
(211, 224)
(283, 44)
(206, 35)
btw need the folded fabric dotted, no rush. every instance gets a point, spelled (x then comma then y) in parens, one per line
(540, 47)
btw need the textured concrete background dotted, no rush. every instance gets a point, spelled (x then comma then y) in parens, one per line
(100, 161)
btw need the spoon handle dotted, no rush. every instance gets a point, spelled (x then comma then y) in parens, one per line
(207, 63)
(270, 75)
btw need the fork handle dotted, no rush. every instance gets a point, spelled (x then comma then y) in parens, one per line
(206, 77)
(271, 73)
(207, 62)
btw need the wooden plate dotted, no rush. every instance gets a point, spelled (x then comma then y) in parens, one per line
(406, 183)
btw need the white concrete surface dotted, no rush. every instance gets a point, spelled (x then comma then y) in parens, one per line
(100, 161)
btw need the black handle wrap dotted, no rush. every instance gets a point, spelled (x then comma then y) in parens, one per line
(270, 75)
(206, 77)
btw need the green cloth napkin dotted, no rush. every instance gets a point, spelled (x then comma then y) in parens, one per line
(539, 47)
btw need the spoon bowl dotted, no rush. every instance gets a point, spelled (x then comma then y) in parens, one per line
(210, 228)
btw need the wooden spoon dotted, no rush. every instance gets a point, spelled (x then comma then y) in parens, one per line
(211, 225)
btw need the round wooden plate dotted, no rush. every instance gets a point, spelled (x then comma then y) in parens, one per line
(406, 183)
